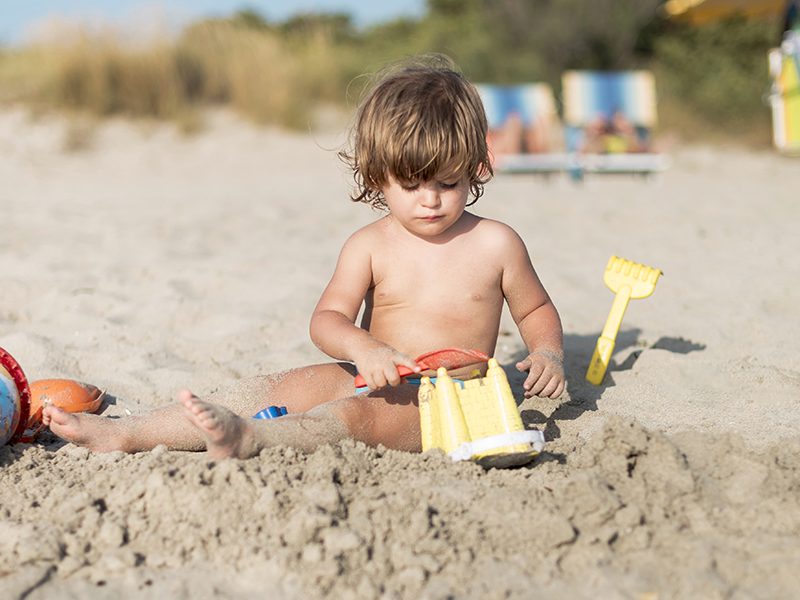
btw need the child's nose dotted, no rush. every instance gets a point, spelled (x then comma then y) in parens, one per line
(430, 197)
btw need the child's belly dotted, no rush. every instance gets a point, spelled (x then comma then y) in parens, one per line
(419, 328)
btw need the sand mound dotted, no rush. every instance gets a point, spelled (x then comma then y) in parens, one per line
(626, 513)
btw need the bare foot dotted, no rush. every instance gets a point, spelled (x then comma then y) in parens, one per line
(98, 434)
(226, 434)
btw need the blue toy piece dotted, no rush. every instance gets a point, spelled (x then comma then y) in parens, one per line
(9, 408)
(271, 412)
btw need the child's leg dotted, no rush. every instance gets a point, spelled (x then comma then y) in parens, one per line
(389, 417)
(298, 390)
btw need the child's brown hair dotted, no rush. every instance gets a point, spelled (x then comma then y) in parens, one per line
(420, 121)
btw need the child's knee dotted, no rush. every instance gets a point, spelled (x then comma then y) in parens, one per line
(352, 414)
(375, 421)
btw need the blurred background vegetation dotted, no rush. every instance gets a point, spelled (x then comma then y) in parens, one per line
(712, 79)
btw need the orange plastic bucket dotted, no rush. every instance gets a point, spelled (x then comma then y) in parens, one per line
(67, 394)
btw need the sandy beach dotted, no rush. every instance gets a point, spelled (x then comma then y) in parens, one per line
(147, 261)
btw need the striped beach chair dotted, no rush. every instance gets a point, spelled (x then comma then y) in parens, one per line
(523, 127)
(598, 97)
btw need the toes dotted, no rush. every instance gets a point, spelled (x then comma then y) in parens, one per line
(187, 398)
(201, 413)
(207, 419)
(192, 403)
(55, 415)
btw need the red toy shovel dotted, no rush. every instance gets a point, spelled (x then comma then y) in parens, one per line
(449, 358)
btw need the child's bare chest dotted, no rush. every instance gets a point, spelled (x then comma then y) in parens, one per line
(451, 281)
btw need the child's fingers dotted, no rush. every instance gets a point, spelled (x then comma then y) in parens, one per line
(541, 382)
(392, 376)
(387, 374)
(536, 389)
(549, 385)
(548, 391)
(534, 374)
(375, 379)
(379, 381)
(524, 364)
(545, 376)
(407, 361)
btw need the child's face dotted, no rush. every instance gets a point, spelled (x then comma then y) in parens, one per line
(428, 208)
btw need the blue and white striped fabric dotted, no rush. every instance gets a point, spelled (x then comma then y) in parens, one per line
(529, 101)
(592, 94)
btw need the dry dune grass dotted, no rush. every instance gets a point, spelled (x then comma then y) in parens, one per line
(267, 77)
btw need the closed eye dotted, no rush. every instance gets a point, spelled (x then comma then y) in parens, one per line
(449, 186)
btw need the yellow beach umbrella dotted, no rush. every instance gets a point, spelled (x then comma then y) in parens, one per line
(698, 12)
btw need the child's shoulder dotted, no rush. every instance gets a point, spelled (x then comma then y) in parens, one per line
(498, 244)
(368, 235)
(375, 229)
(493, 232)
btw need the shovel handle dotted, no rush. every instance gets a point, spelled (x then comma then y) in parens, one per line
(600, 360)
(402, 370)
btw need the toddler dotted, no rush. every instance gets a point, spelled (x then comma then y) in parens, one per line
(418, 151)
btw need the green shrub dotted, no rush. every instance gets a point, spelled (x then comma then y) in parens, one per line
(714, 77)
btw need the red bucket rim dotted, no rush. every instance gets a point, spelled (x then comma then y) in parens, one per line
(12, 366)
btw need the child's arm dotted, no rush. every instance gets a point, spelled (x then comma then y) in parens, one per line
(536, 318)
(333, 327)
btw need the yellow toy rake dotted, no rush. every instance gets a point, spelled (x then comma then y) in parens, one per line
(628, 280)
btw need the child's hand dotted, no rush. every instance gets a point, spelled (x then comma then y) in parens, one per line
(378, 365)
(545, 374)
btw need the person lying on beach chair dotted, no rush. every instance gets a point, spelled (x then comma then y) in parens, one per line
(521, 118)
(609, 120)
(612, 135)
(523, 128)
(429, 275)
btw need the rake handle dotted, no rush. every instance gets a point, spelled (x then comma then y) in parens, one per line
(618, 308)
(605, 343)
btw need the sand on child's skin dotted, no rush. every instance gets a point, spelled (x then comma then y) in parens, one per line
(151, 262)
